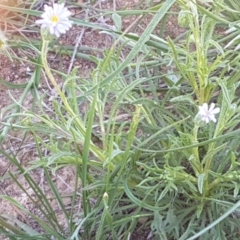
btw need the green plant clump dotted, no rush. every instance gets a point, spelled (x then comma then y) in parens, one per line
(152, 134)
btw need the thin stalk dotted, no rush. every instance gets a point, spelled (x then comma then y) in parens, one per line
(209, 160)
(195, 137)
(80, 124)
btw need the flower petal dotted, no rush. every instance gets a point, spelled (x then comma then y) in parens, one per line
(211, 107)
(216, 110)
(205, 106)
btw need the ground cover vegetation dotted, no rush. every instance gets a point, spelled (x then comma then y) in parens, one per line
(156, 150)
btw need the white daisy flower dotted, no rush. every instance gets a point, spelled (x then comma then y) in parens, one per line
(206, 114)
(55, 19)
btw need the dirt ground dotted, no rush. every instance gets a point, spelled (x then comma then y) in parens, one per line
(18, 72)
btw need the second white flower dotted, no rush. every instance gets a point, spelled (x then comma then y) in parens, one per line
(208, 114)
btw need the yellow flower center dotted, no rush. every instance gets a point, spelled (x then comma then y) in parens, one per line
(54, 19)
(2, 44)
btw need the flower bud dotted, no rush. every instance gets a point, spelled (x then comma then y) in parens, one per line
(105, 200)
(184, 18)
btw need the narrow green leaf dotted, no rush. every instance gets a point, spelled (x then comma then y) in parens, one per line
(117, 21)
(201, 178)
(140, 43)
(217, 221)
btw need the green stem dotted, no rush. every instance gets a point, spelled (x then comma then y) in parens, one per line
(195, 140)
(96, 151)
(195, 163)
(209, 160)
